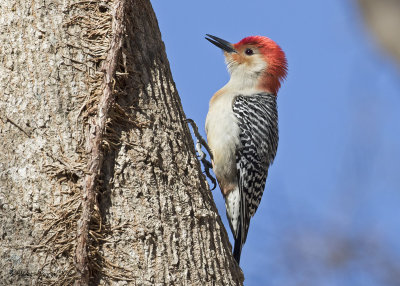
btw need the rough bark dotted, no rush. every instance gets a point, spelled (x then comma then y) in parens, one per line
(99, 182)
(94, 141)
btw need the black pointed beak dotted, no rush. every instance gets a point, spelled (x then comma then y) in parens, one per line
(222, 44)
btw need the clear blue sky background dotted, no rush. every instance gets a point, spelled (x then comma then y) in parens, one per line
(330, 214)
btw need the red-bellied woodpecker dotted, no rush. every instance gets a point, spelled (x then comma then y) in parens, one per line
(242, 127)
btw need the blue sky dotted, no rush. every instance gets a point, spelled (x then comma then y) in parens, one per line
(335, 181)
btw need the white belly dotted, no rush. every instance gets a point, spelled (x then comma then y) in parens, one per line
(223, 136)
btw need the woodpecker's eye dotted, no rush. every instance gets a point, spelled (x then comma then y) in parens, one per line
(249, 52)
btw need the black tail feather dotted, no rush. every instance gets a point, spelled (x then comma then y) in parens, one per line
(237, 250)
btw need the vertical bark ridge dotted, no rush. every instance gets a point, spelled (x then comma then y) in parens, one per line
(94, 141)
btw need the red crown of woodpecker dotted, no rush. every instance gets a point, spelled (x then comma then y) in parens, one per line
(274, 56)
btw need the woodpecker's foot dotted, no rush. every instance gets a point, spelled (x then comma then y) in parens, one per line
(202, 156)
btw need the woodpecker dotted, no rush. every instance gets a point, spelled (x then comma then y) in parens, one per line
(242, 127)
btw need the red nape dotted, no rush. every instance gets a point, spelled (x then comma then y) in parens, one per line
(274, 56)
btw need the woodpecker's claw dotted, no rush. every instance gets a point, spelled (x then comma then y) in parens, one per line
(202, 156)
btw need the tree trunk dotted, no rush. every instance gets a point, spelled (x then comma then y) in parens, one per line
(99, 181)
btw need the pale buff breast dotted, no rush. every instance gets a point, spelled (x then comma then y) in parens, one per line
(223, 139)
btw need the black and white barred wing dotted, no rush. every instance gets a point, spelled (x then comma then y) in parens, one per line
(258, 123)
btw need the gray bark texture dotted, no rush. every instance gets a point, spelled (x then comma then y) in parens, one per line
(99, 180)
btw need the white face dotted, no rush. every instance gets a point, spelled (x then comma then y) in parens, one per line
(246, 66)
